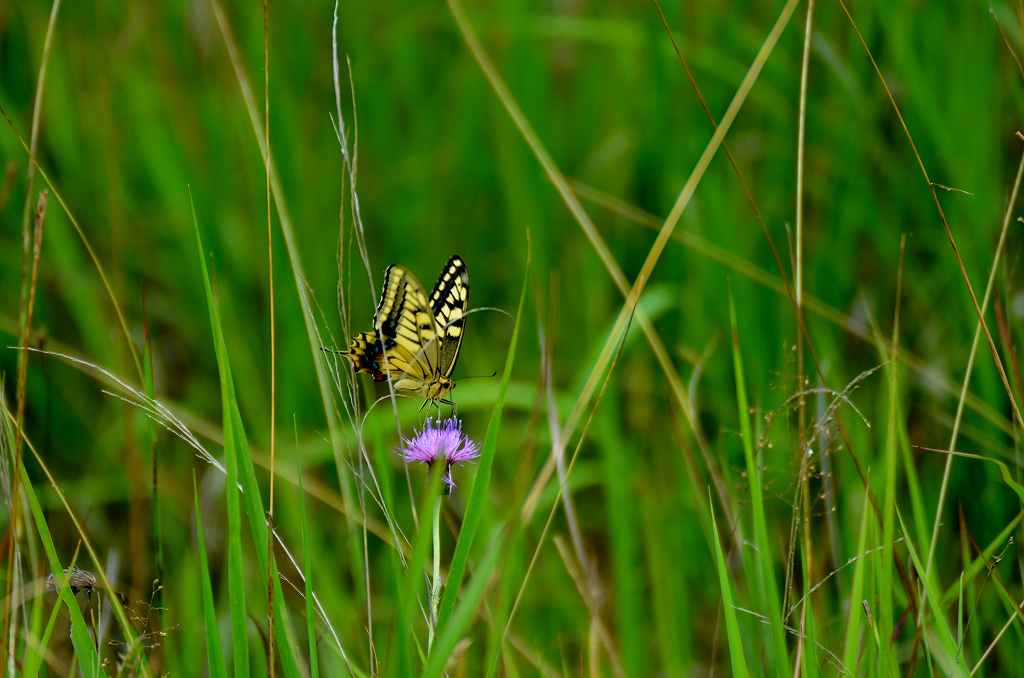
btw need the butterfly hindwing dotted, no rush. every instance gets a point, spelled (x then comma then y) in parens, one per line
(448, 302)
(364, 353)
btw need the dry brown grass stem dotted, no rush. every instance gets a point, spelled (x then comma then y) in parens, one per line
(25, 302)
(807, 568)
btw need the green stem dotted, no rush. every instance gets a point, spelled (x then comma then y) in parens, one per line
(435, 588)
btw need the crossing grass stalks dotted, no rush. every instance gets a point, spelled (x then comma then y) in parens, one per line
(697, 459)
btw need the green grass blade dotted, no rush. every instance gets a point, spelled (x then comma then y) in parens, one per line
(670, 604)
(511, 573)
(960, 614)
(855, 619)
(34, 655)
(306, 302)
(214, 653)
(478, 495)
(618, 457)
(85, 651)
(984, 559)
(918, 513)
(236, 561)
(307, 559)
(401, 653)
(811, 658)
(886, 614)
(732, 625)
(236, 451)
(466, 610)
(778, 657)
(236, 564)
(943, 646)
(148, 437)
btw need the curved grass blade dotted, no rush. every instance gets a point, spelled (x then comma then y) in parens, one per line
(214, 653)
(236, 451)
(314, 663)
(232, 437)
(482, 481)
(765, 576)
(85, 651)
(34, 654)
(855, 619)
(732, 626)
(940, 642)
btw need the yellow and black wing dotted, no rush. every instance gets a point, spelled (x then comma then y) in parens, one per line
(449, 302)
(364, 353)
(405, 323)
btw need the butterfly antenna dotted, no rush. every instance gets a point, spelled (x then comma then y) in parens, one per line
(369, 409)
(492, 375)
(478, 309)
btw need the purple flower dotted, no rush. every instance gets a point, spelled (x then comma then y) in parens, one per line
(440, 441)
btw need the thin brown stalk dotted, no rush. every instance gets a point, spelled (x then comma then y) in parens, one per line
(1006, 339)
(291, 246)
(748, 193)
(954, 434)
(945, 222)
(1017, 612)
(86, 243)
(37, 108)
(27, 289)
(808, 555)
(1006, 42)
(26, 332)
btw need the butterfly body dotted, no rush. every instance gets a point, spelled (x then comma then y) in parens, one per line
(416, 337)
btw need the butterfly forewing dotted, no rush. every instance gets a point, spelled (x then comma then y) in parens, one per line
(406, 324)
(448, 302)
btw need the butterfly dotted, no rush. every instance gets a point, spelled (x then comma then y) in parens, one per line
(416, 338)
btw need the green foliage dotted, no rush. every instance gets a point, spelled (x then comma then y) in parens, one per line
(470, 123)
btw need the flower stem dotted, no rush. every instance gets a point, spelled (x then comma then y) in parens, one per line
(435, 588)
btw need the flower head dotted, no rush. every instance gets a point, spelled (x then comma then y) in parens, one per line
(443, 442)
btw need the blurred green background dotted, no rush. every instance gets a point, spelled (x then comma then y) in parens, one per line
(141, 106)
